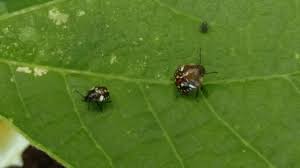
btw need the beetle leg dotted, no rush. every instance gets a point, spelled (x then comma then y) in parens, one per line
(178, 94)
(197, 92)
(100, 106)
(89, 106)
(204, 91)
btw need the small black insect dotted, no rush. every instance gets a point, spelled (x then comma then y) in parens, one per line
(204, 27)
(189, 77)
(98, 95)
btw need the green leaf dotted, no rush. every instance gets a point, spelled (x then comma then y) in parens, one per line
(14, 5)
(249, 119)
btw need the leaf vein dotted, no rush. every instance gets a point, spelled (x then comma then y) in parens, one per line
(97, 145)
(140, 80)
(177, 12)
(27, 111)
(252, 78)
(70, 136)
(166, 135)
(29, 9)
(292, 84)
(18, 91)
(236, 134)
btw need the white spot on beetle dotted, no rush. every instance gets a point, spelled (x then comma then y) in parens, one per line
(141, 38)
(58, 17)
(181, 68)
(39, 71)
(12, 79)
(101, 98)
(192, 86)
(24, 70)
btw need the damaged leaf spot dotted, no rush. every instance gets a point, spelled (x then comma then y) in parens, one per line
(58, 17)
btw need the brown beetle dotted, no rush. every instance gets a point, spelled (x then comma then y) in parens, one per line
(189, 77)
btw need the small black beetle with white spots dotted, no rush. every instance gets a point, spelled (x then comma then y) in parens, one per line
(98, 95)
(204, 27)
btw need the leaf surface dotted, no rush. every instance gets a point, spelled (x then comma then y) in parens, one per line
(250, 118)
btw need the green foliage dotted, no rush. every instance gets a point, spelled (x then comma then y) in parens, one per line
(13, 5)
(249, 119)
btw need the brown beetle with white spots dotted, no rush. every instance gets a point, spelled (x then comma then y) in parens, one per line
(189, 78)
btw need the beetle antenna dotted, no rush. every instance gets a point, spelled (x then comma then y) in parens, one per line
(200, 55)
(210, 72)
(79, 93)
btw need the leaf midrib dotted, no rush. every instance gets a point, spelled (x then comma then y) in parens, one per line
(148, 81)
(158, 121)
